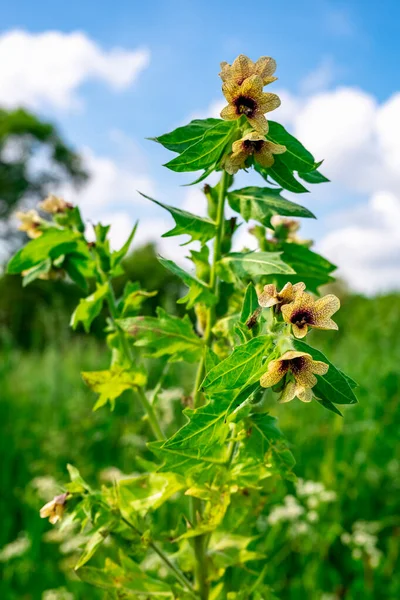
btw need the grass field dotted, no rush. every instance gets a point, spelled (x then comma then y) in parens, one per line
(348, 549)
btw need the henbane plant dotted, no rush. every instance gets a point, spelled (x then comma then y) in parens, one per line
(185, 525)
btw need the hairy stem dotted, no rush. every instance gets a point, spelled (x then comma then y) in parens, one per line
(213, 283)
(148, 408)
(200, 542)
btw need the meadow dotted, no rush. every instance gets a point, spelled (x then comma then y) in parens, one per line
(333, 535)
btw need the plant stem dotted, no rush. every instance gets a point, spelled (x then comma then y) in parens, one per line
(200, 542)
(151, 415)
(214, 282)
(177, 572)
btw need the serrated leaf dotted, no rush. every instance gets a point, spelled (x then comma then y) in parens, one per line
(309, 266)
(334, 386)
(207, 150)
(111, 383)
(265, 443)
(51, 244)
(165, 335)
(239, 368)
(296, 157)
(261, 204)
(283, 176)
(198, 290)
(137, 495)
(89, 308)
(181, 138)
(200, 444)
(198, 228)
(251, 265)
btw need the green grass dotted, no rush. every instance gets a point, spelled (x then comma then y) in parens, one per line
(46, 421)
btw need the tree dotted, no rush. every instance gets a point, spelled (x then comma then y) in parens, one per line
(22, 137)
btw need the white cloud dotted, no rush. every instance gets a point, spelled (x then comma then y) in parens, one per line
(367, 247)
(319, 78)
(47, 69)
(111, 184)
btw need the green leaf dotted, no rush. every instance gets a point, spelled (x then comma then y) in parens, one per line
(51, 244)
(93, 544)
(227, 550)
(126, 580)
(119, 255)
(78, 484)
(198, 228)
(329, 406)
(133, 299)
(35, 272)
(89, 308)
(250, 303)
(282, 175)
(238, 369)
(332, 387)
(265, 443)
(207, 150)
(309, 266)
(181, 138)
(200, 444)
(138, 495)
(79, 268)
(261, 204)
(296, 157)
(250, 265)
(198, 290)
(111, 383)
(165, 335)
(313, 177)
(217, 502)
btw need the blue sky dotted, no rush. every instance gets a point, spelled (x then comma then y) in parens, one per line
(330, 55)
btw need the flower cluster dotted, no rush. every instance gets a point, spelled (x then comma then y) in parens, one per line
(243, 84)
(301, 312)
(363, 542)
(301, 511)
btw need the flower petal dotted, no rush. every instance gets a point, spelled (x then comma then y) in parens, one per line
(229, 113)
(299, 332)
(276, 370)
(265, 158)
(269, 102)
(230, 90)
(268, 297)
(259, 122)
(288, 393)
(242, 68)
(304, 394)
(252, 87)
(326, 306)
(319, 367)
(265, 67)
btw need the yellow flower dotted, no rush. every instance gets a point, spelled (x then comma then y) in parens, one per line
(249, 99)
(252, 144)
(303, 368)
(305, 312)
(54, 509)
(30, 223)
(53, 204)
(243, 67)
(271, 297)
